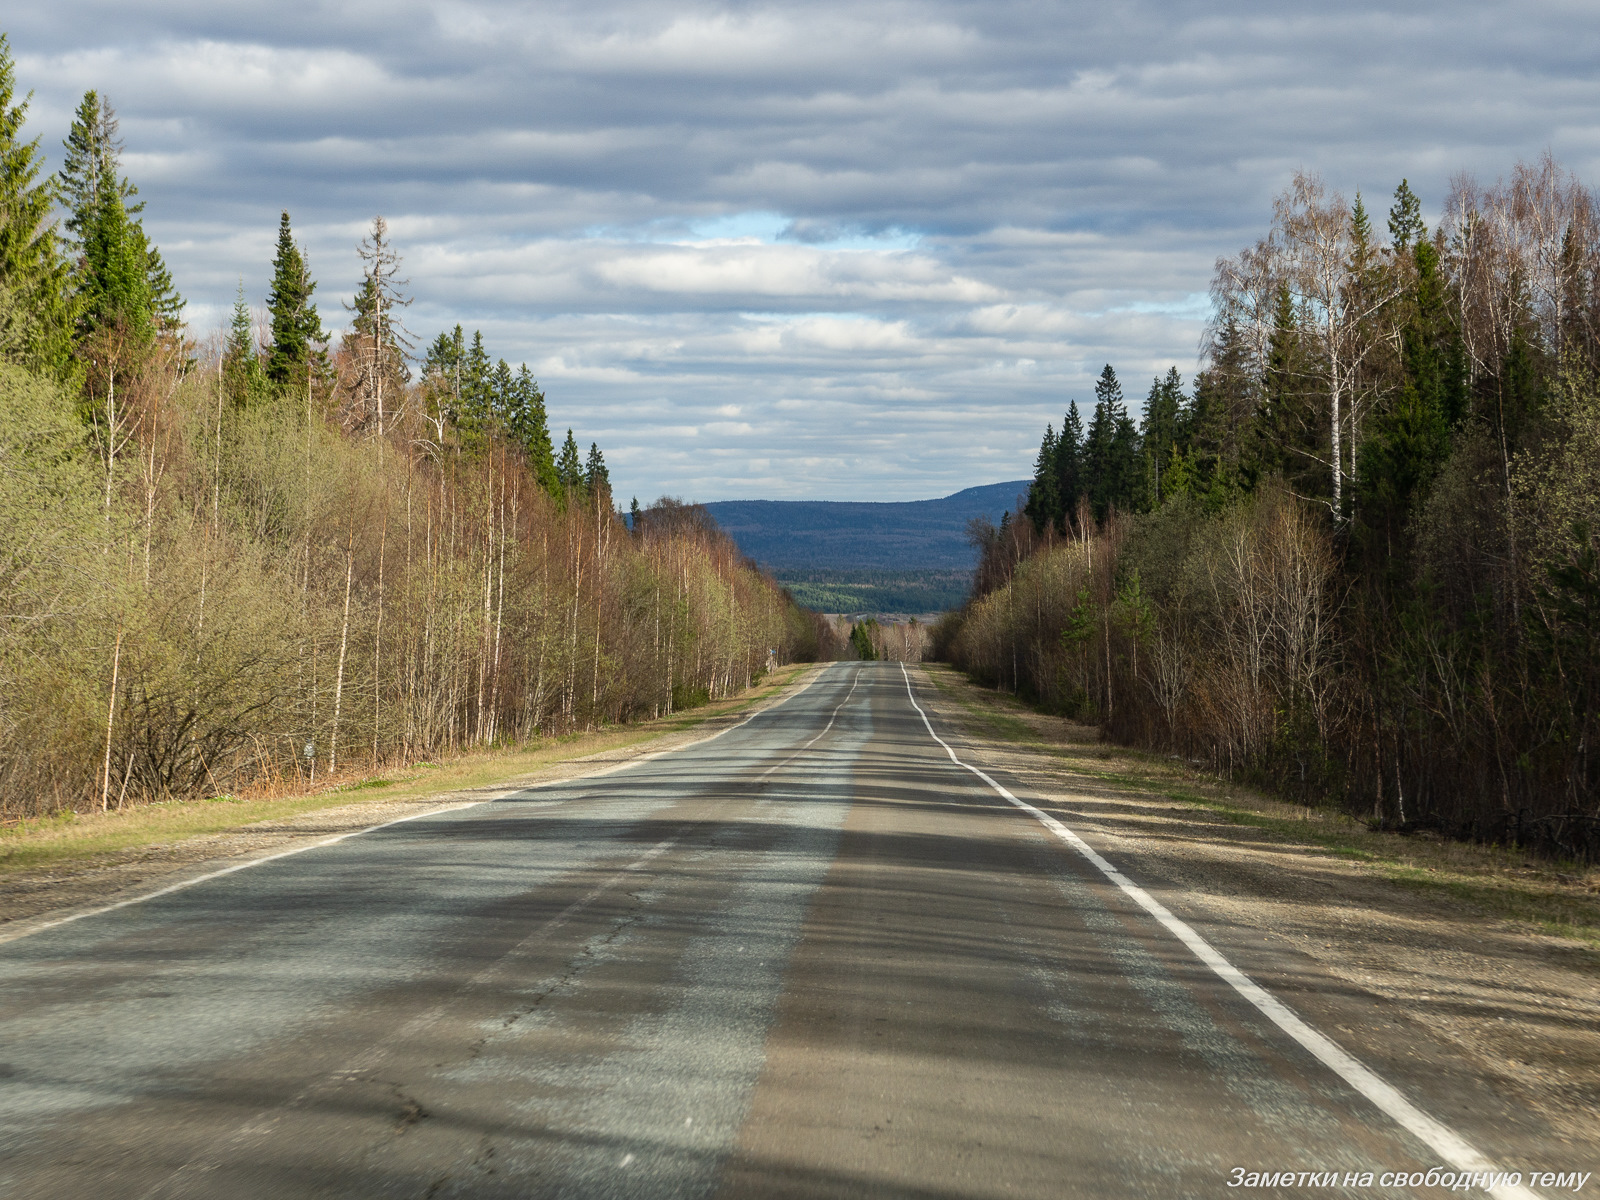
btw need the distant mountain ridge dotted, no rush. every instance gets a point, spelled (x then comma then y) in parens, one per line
(863, 535)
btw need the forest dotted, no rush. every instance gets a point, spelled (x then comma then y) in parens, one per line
(277, 556)
(1358, 559)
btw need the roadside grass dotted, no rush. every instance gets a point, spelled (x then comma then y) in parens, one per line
(1560, 899)
(70, 837)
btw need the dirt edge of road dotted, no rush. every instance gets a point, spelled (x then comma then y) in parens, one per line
(32, 897)
(1521, 1003)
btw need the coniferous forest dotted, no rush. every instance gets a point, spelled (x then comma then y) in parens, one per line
(279, 555)
(1358, 559)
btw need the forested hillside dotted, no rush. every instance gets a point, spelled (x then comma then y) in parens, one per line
(909, 556)
(279, 554)
(904, 593)
(1360, 557)
(864, 535)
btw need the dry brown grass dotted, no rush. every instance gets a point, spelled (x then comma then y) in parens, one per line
(1555, 898)
(75, 837)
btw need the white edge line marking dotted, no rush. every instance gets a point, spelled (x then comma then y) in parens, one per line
(1444, 1141)
(18, 935)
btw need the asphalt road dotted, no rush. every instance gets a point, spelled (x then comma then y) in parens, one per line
(811, 957)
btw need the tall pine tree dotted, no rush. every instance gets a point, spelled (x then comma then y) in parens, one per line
(241, 359)
(297, 333)
(37, 310)
(502, 393)
(1043, 506)
(1288, 436)
(114, 287)
(1159, 436)
(476, 387)
(1069, 466)
(528, 426)
(596, 479)
(121, 280)
(441, 375)
(90, 165)
(1111, 450)
(1221, 416)
(1409, 440)
(1405, 219)
(569, 468)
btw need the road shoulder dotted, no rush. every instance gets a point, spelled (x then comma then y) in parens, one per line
(1521, 1003)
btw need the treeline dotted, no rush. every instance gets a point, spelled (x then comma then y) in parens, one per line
(877, 591)
(890, 641)
(1359, 559)
(275, 559)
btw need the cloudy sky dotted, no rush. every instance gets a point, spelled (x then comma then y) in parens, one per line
(838, 251)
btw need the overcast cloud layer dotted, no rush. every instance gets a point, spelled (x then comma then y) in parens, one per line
(854, 251)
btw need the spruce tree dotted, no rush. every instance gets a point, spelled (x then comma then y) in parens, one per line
(1097, 458)
(296, 328)
(166, 305)
(1223, 409)
(1124, 485)
(241, 361)
(1405, 219)
(1409, 438)
(528, 426)
(120, 278)
(441, 373)
(1069, 466)
(1043, 505)
(442, 357)
(1159, 435)
(488, 399)
(37, 310)
(1286, 433)
(114, 286)
(1111, 451)
(502, 393)
(596, 479)
(476, 385)
(90, 166)
(569, 467)
(861, 640)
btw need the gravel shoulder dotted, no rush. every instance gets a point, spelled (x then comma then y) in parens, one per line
(75, 883)
(1496, 956)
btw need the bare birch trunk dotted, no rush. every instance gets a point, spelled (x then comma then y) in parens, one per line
(599, 603)
(211, 529)
(111, 716)
(572, 644)
(344, 645)
(377, 641)
(1336, 428)
(499, 622)
(483, 641)
(111, 437)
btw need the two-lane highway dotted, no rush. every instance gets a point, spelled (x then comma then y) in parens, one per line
(813, 956)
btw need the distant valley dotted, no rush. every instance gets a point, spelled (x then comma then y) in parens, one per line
(859, 556)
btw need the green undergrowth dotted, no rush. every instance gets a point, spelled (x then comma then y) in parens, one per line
(69, 837)
(1561, 899)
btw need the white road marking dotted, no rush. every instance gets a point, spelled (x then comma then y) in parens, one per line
(1444, 1141)
(14, 935)
(854, 680)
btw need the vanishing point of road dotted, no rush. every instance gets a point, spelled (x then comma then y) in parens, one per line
(813, 956)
